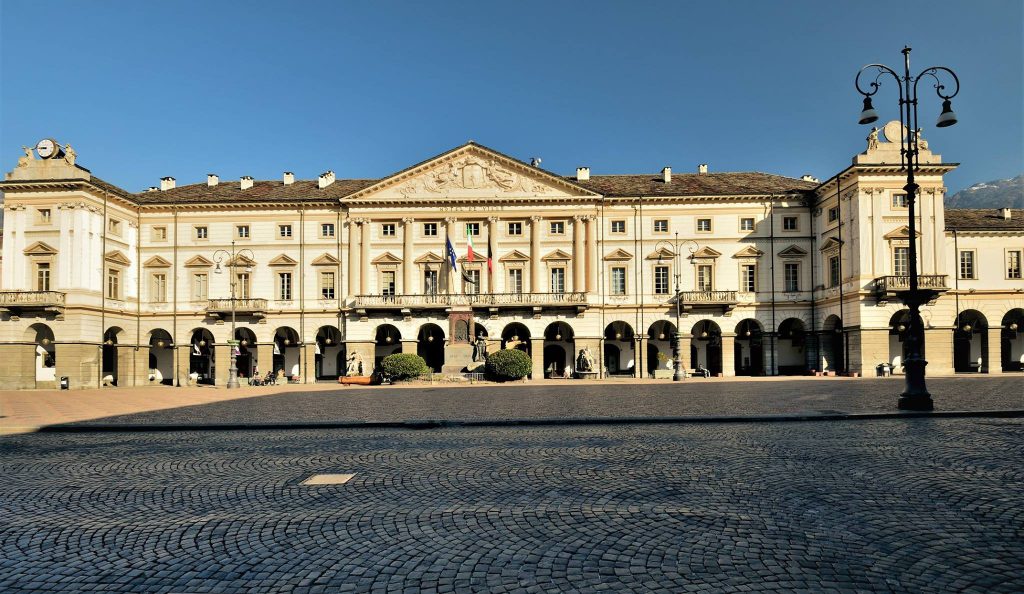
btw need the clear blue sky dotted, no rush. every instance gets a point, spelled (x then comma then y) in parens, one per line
(149, 89)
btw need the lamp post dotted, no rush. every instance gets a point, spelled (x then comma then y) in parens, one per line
(915, 395)
(232, 258)
(678, 371)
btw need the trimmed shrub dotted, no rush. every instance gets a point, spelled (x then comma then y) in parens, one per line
(509, 364)
(401, 366)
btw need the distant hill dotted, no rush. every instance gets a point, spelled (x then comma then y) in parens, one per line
(993, 194)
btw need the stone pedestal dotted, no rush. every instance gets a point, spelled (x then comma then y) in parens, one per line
(594, 344)
(457, 357)
(995, 350)
(366, 350)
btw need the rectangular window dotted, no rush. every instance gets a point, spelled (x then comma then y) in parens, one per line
(284, 231)
(747, 224)
(387, 283)
(661, 226)
(473, 229)
(789, 224)
(429, 229)
(618, 226)
(899, 201)
(1013, 264)
(515, 281)
(618, 280)
(159, 294)
(326, 230)
(202, 232)
(557, 227)
(430, 282)
(242, 285)
(705, 280)
(200, 284)
(113, 283)
(159, 233)
(966, 264)
(114, 226)
(901, 260)
(284, 286)
(792, 277)
(44, 216)
(748, 278)
(661, 280)
(387, 230)
(43, 276)
(833, 214)
(471, 282)
(327, 285)
(558, 280)
(242, 231)
(515, 228)
(833, 271)
(704, 225)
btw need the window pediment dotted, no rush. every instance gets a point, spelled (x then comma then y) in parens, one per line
(515, 256)
(156, 262)
(901, 233)
(386, 258)
(117, 257)
(429, 258)
(197, 262)
(325, 259)
(557, 255)
(793, 251)
(40, 248)
(748, 252)
(619, 255)
(661, 254)
(830, 244)
(282, 260)
(705, 253)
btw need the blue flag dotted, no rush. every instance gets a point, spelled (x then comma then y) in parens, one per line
(451, 253)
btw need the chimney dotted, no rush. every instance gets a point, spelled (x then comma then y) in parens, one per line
(289, 178)
(702, 169)
(326, 178)
(212, 179)
(807, 177)
(666, 175)
(153, 189)
(583, 174)
(1006, 213)
(166, 183)
(246, 182)
(535, 162)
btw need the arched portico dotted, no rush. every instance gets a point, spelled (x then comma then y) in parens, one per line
(706, 346)
(1012, 341)
(749, 348)
(287, 352)
(833, 345)
(792, 341)
(110, 373)
(559, 349)
(161, 357)
(328, 353)
(430, 346)
(898, 325)
(619, 349)
(247, 359)
(970, 342)
(202, 356)
(387, 340)
(659, 349)
(44, 354)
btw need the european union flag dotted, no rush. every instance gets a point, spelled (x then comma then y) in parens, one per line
(451, 253)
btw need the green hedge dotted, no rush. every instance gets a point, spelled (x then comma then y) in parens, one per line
(401, 366)
(509, 364)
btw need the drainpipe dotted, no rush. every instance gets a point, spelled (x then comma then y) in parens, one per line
(174, 309)
(771, 239)
(103, 290)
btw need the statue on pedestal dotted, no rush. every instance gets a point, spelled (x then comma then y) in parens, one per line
(355, 365)
(585, 360)
(873, 139)
(480, 348)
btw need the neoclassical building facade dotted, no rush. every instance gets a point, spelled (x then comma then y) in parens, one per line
(775, 275)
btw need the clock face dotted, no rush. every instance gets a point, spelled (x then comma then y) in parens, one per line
(46, 148)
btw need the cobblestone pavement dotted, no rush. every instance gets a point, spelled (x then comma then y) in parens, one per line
(908, 505)
(606, 399)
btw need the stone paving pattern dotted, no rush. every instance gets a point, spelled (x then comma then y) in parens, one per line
(903, 505)
(612, 398)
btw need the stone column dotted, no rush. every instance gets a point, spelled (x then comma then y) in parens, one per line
(307, 362)
(20, 366)
(938, 350)
(408, 265)
(364, 257)
(222, 362)
(995, 349)
(492, 239)
(184, 352)
(769, 344)
(354, 247)
(728, 355)
(140, 358)
(640, 370)
(410, 345)
(592, 254)
(579, 255)
(537, 354)
(535, 263)
(125, 366)
(684, 351)
(265, 358)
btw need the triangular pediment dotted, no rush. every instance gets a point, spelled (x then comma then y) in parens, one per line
(198, 261)
(429, 258)
(901, 233)
(243, 260)
(619, 255)
(830, 244)
(514, 256)
(156, 262)
(386, 258)
(706, 252)
(557, 255)
(662, 253)
(325, 260)
(40, 248)
(117, 257)
(282, 260)
(748, 252)
(793, 251)
(469, 172)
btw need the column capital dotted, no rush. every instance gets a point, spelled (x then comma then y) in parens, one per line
(536, 218)
(493, 219)
(451, 220)
(579, 217)
(408, 220)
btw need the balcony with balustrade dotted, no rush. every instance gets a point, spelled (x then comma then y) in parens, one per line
(493, 302)
(220, 309)
(16, 303)
(888, 288)
(727, 300)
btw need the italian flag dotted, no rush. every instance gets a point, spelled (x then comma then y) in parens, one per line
(469, 244)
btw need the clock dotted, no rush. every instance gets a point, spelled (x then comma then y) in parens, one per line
(47, 148)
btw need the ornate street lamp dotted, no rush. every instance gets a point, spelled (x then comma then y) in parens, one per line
(678, 371)
(232, 262)
(915, 395)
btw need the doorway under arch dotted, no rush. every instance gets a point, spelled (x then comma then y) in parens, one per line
(619, 349)
(749, 348)
(970, 343)
(387, 340)
(1012, 341)
(559, 348)
(833, 345)
(328, 354)
(430, 346)
(110, 358)
(706, 346)
(660, 353)
(161, 357)
(202, 360)
(791, 344)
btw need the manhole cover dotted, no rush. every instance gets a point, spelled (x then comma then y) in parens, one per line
(328, 479)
